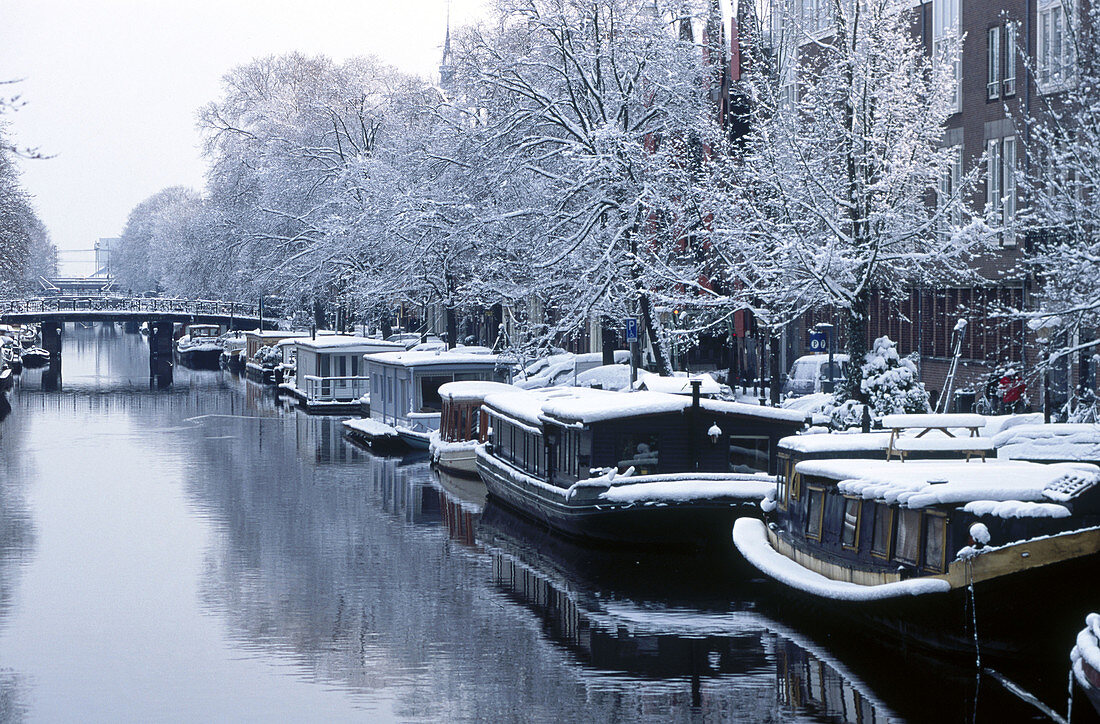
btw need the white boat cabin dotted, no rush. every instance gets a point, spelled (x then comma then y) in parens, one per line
(330, 368)
(404, 388)
(203, 332)
(255, 339)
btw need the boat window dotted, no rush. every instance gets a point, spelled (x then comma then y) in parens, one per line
(884, 526)
(639, 451)
(935, 542)
(796, 483)
(849, 535)
(430, 401)
(815, 508)
(907, 546)
(748, 454)
(341, 366)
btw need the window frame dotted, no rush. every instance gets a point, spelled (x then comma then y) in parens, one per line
(946, 30)
(810, 490)
(889, 531)
(919, 533)
(849, 500)
(1052, 77)
(926, 518)
(1009, 80)
(993, 63)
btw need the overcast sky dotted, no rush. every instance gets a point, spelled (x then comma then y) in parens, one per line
(112, 86)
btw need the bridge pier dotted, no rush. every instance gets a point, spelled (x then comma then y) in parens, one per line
(160, 352)
(51, 342)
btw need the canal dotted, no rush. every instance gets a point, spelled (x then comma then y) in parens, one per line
(205, 553)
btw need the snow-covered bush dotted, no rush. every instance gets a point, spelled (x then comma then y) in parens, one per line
(890, 381)
(267, 356)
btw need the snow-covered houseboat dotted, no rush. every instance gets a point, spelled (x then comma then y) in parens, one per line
(330, 375)
(35, 357)
(404, 392)
(462, 427)
(262, 368)
(914, 546)
(199, 347)
(232, 357)
(645, 468)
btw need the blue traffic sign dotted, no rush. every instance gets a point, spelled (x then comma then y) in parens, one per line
(631, 329)
(819, 341)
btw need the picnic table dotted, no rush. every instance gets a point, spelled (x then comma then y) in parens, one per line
(970, 446)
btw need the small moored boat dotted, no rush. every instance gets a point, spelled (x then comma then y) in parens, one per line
(35, 357)
(462, 427)
(199, 348)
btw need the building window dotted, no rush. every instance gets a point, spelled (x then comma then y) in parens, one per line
(1055, 52)
(817, 16)
(945, 38)
(993, 63)
(935, 542)
(1010, 60)
(907, 545)
(1000, 185)
(815, 511)
(950, 207)
(884, 529)
(849, 534)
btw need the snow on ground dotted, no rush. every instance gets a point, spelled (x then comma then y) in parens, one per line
(751, 538)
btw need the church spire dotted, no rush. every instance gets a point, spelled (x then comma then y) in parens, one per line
(446, 64)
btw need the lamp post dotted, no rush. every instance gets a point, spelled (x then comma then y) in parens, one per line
(827, 329)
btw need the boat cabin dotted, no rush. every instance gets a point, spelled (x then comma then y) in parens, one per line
(405, 386)
(877, 521)
(568, 434)
(330, 368)
(203, 332)
(255, 339)
(461, 419)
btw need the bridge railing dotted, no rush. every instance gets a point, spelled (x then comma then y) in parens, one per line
(151, 305)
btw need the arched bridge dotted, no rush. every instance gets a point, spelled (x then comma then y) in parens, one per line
(100, 308)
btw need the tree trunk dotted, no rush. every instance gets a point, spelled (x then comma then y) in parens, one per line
(660, 358)
(609, 339)
(319, 317)
(855, 326)
(452, 327)
(773, 368)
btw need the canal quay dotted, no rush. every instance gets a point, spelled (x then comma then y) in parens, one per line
(204, 553)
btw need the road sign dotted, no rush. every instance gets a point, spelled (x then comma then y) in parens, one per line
(631, 329)
(819, 341)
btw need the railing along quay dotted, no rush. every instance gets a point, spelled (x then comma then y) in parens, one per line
(143, 305)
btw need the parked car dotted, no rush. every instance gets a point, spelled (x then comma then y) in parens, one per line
(809, 374)
(562, 368)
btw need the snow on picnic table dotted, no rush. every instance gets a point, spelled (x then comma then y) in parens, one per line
(924, 483)
(751, 538)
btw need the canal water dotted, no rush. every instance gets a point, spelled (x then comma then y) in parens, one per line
(205, 553)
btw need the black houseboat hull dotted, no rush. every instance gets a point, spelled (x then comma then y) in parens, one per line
(34, 359)
(200, 359)
(693, 525)
(1015, 613)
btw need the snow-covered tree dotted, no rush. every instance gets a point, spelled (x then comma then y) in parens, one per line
(834, 197)
(1063, 194)
(597, 108)
(890, 383)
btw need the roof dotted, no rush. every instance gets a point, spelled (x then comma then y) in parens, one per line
(837, 442)
(526, 406)
(602, 405)
(1061, 441)
(275, 334)
(334, 342)
(426, 359)
(923, 483)
(472, 390)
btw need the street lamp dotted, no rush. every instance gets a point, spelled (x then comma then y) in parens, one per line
(827, 329)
